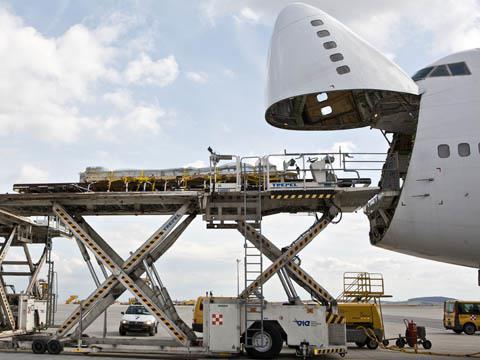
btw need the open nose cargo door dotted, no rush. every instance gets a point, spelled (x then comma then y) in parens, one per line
(322, 76)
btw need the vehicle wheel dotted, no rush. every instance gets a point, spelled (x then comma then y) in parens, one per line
(372, 344)
(385, 342)
(457, 331)
(400, 343)
(152, 331)
(360, 344)
(266, 345)
(156, 329)
(39, 346)
(122, 331)
(469, 328)
(54, 347)
(427, 344)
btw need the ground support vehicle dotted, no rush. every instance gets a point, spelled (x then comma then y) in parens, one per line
(306, 327)
(239, 202)
(462, 316)
(303, 327)
(360, 304)
(364, 323)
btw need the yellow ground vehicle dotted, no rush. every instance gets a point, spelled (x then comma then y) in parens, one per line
(197, 322)
(462, 316)
(361, 318)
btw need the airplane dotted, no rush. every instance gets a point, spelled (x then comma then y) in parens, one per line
(322, 76)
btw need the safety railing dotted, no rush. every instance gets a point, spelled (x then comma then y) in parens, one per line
(362, 286)
(302, 171)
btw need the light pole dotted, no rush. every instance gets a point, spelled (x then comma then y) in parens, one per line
(238, 277)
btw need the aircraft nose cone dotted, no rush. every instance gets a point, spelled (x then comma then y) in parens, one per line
(311, 53)
(293, 13)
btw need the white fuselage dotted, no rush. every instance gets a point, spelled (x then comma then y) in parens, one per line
(438, 215)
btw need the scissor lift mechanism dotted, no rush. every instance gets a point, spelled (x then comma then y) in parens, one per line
(241, 210)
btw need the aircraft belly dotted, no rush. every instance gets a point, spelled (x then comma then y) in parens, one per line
(434, 240)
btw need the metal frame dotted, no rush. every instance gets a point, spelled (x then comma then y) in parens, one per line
(242, 210)
(5, 305)
(22, 232)
(121, 273)
(293, 270)
(286, 257)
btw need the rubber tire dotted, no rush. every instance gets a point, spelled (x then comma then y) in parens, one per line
(151, 332)
(427, 344)
(372, 344)
(122, 331)
(39, 346)
(360, 344)
(469, 329)
(458, 331)
(54, 347)
(385, 342)
(400, 343)
(277, 343)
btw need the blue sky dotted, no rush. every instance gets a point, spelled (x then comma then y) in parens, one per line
(152, 84)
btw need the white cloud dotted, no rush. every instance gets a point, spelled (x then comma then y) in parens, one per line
(120, 98)
(161, 72)
(31, 173)
(345, 146)
(196, 164)
(247, 15)
(452, 25)
(43, 79)
(229, 73)
(47, 83)
(198, 77)
(145, 118)
(138, 119)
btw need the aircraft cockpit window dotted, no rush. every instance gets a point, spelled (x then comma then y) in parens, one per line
(422, 74)
(316, 22)
(459, 68)
(463, 149)
(443, 151)
(454, 69)
(440, 70)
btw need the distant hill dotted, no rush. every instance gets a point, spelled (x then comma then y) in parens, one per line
(426, 300)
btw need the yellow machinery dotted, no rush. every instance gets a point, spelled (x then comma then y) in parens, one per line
(197, 322)
(462, 316)
(360, 304)
(73, 299)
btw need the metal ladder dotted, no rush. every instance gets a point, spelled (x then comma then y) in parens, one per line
(253, 266)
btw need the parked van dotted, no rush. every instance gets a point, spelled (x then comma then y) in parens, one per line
(462, 316)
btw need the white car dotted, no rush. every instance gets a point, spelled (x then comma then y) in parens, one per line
(138, 319)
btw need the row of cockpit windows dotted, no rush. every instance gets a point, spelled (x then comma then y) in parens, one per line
(463, 150)
(454, 69)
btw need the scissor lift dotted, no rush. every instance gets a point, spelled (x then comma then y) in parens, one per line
(236, 198)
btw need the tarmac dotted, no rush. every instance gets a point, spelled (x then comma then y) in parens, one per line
(445, 343)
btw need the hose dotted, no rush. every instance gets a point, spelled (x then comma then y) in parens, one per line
(340, 213)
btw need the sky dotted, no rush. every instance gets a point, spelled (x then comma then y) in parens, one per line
(152, 84)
